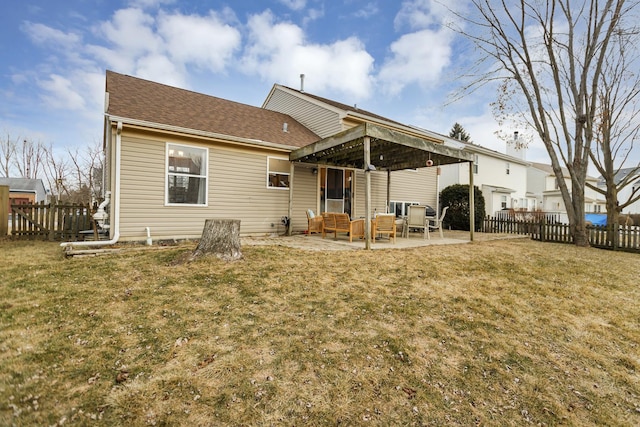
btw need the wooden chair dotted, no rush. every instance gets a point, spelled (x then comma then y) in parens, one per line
(417, 218)
(385, 224)
(341, 223)
(315, 223)
(437, 222)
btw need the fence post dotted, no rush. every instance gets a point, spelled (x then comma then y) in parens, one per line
(4, 211)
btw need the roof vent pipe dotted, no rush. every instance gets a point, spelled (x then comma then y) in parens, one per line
(301, 82)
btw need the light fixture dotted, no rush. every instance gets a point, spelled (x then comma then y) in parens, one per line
(370, 167)
(314, 171)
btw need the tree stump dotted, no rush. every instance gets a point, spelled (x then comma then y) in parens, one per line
(220, 237)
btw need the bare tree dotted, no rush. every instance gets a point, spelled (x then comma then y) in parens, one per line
(617, 128)
(29, 159)
(7, 155)
(87, 168)
(56, 172)
(549, 56)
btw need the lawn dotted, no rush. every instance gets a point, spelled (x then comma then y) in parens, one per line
(509, 332)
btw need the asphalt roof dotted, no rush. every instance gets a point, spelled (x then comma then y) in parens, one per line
(144, 100)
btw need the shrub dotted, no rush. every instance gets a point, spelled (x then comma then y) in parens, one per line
(457, 198)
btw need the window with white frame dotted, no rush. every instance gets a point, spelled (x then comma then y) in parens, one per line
(401, 209)
(508, 168)
(278, 173)
(186, 175)
(503, 202)
(475, 163)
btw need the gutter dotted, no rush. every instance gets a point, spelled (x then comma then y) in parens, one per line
(115, 202)
(201, 133)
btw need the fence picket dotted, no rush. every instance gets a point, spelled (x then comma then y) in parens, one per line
(625, 237)
(48, 221)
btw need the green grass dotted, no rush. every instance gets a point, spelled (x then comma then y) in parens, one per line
(509, 332)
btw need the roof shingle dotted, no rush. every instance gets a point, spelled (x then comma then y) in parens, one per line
(138, 99)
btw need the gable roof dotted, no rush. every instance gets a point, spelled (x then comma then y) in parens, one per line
(549, 170)
(155, 103)
(633, 173)
(348, 109)
(23, 185)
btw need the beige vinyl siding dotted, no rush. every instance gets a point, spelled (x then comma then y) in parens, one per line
(418, 185)
(237, 189)
(322, 121)
(378, 193)
(305, 196)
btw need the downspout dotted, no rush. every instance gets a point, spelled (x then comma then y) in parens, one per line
(115, 211)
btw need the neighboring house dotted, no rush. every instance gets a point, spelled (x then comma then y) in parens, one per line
(23, 191)
(176, 158)
(623, 195)
(502, 179)
(542, 183)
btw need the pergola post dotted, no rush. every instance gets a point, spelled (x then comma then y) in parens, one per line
(291, 169)
(388, 190)
(472, 208)
(367, 192)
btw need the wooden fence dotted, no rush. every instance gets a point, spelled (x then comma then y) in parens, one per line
(46, 221)
(620, 237)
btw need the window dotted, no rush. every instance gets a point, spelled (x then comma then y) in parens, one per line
(475, 163)
(186, 175)
(277, 173)
(401, 209)
(508, 168)
(503, 202)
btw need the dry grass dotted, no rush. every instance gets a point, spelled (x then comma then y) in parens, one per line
(494, 333)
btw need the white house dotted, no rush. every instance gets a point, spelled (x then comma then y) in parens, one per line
(633, 176)
(543, 185)
(502, 178)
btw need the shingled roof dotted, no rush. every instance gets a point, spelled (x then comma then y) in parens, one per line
(147, 101)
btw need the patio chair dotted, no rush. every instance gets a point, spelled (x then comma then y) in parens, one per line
(436, 224)
(315, 223)
(417, 218)
(385, 224)
(341, 223)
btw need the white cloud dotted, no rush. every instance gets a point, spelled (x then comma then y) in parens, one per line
(61, 93)
(42, 34)
(131, 32)
(369, 10)
(418, 57)
(203, 40)
(159, 68)
(294, 4)
(149, 3)
(420, 14)
(279, 52)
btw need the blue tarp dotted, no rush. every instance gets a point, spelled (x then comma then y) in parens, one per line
(596, 219)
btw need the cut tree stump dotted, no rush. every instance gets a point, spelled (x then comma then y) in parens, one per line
(220, 237)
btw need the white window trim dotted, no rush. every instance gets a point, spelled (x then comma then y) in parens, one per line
(280, 173)
(205, 176)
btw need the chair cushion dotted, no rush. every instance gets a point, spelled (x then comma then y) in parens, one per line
(311, 214)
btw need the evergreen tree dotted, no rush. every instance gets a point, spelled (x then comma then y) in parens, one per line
(458, 132)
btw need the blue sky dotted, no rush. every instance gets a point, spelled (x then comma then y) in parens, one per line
(394, 58)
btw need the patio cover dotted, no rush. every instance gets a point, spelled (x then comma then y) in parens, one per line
(374, 147)
(390, 150)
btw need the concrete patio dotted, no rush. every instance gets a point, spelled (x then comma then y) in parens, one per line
(315, 242)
